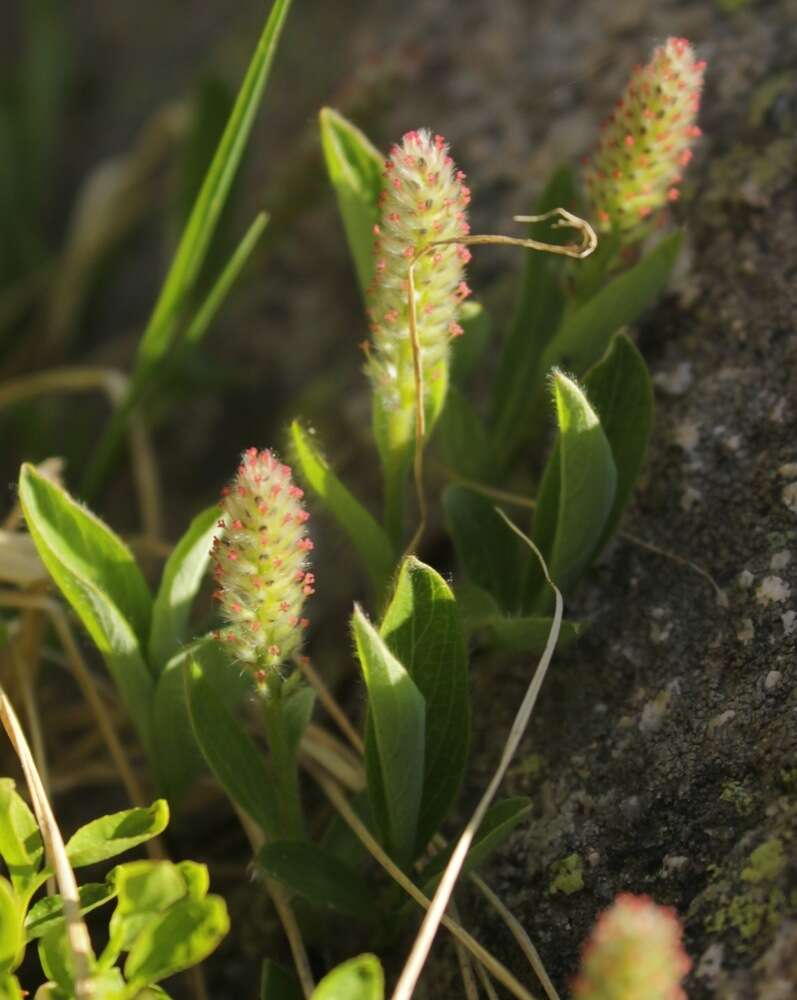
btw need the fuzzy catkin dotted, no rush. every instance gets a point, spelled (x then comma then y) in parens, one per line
(647, 142)
(261, 562)
(633, 953)
(424, 199)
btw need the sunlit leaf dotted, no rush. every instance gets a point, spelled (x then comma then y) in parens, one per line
(395, 740)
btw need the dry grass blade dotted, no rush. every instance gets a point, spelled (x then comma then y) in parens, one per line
(88, 688)
(329, 702)
(374, 848)
(519, 934)
(420, 950)
(76, 932)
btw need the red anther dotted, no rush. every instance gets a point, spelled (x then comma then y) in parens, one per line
(276, 562)
(293, 621)
(437, 257)
(463, 290)
(455, 329)
(380, 265)
(394, 217)
(694, 131)
(685, 157)
(284, 606)
(376, 230)
(262, 507)
(241, 491)
(257, 582)
(238, 524)
(408, 252)
(273, 650)
(275, 490)
(225, 492)
(232, 555)
(306, 544)
(300, 575)
(391, 315)
(302, 517)
(307, 591)
(629, 140)
(397, 183)
(296, 491)
(260, 676)
(673, 194)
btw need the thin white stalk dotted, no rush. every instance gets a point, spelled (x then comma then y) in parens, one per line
(77, 934)
(374, 848)
(426, 934)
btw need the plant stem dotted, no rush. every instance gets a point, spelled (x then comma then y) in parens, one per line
(283, 762)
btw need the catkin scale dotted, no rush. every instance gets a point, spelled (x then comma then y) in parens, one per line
(424, 199)
(646, 143)
(261, 562)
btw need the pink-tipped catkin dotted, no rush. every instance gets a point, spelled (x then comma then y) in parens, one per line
(424, 199)
(261, 562)
(633, 953)
(646, 144)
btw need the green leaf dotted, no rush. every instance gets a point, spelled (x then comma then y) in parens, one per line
(317, 876)
(10, 988)
(536, 317)
(56, 959)
(423, 630)
(462, 436)
(360, 978)
(585, 332)
(499, 822)
(355, 169)
(620, 390)
(85, 550)
(116, 833)
(579, 483)
(367, 536)
(468, 350)
(12, 940)
(20, 841)
(183, 936)
(196, 877)
(48, 912)
(528, 634)
(146, 889)
(492, 555)
(182, 577)
(229, 751)
(191, 253)
(278, 983)
(395, 740)
(98, 576)
(177, 757)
